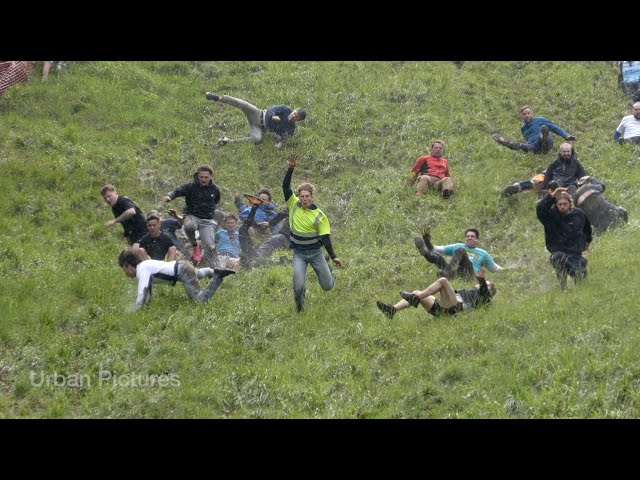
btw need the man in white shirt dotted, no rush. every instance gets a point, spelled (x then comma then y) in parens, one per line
(629, 129)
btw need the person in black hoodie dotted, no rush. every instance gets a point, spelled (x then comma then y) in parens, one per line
(451, 302)
(567, 233)
(201, 197)
(565, 171)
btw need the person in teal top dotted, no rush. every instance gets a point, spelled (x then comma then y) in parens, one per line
(466, 258)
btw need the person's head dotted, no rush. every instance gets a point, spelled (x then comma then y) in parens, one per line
(264, 195)
(205, 173)
(566, 151)
(231, 222)
(306, 194)
(527, 113)
(128, 261)
(564, 203)
(437, 148)
(471, 237)
(297, 115)
(153, 225)
(109, 194)
(636, 110)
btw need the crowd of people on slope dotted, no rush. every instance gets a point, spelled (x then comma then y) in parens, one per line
(570, 204)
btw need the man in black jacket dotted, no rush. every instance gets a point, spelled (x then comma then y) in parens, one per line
(450, 302)
(201, 197)
(567, 233)
(564, 171)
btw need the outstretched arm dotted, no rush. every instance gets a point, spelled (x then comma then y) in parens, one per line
(286, 182)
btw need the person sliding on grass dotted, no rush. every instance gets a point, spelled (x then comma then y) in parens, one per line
(451, 301)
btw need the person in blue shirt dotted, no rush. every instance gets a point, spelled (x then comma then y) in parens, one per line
(629, 77)
(265, 213)
(467, 260)
(228, 244)
(536, 132)
(279, 119)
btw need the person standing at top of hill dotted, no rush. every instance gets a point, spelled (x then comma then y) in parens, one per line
(310, 231)
(467, 259)
(128, 214)
(536, 132)
(629, 129)
(432, 171)
(278, 119)
(201, 197)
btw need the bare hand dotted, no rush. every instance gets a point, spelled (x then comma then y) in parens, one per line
(173, 213)
(293, 160)
(279, 145)
(110, 223)
(338, 262)
(571, 138)
(275, 118)
(481, 273)
(166, 199)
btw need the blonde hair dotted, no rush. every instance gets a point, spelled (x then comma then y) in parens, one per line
(307, 187)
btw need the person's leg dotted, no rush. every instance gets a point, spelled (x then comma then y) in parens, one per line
(422, 185)
(253, 115)
(248, 251)
(431, 257)
(46, 66)
(187, 275)
(204, 272)
(266, 248)
(461, 264)
(444, 185)
(558, 261)
(323, 272)
(299, 278)
(208, 240)
(190, 226)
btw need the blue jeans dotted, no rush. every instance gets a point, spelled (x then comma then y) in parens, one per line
(315, 258)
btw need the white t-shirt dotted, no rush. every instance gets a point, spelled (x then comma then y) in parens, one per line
(629, 127)
(144, 270)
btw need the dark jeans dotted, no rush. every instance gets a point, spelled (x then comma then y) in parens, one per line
(459, 266)
(569, 264)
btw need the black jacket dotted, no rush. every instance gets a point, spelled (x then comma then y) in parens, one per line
(568, 233)
(201, 201)
(564, 172)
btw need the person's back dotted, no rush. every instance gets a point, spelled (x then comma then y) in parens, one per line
(601, 212)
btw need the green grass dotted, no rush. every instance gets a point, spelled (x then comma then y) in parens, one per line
(537, 352)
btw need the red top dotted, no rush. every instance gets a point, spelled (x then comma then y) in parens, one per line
(428, 165)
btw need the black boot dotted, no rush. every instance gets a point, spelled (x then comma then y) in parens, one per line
(412, 298)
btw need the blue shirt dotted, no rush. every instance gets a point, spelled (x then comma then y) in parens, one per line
(531, 130)
(225, 245)
(477, 256)
(169, 227)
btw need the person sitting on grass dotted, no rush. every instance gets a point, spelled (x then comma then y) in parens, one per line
(451, 302)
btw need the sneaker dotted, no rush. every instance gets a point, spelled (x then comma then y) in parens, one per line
(253, 200)
(544, 134)
(500, 139)
(388, 310)
(422, 247)
(510, 190)
(412, 298)
(212, 96)
(196, 254)
(446, 193)
(223, 141)
(223, 272)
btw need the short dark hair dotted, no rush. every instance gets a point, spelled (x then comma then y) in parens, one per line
(302, 113)
(264, 190)
(127, 257)
(474, 230)
(230, 215)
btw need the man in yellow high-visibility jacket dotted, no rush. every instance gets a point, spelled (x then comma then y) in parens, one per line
(309, 232)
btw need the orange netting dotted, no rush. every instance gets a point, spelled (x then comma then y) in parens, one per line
(14, 72)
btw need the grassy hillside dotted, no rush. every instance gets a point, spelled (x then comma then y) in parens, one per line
(145, 127)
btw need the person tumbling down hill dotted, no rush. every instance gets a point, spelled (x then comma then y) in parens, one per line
(150, 272)
(451, 302)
